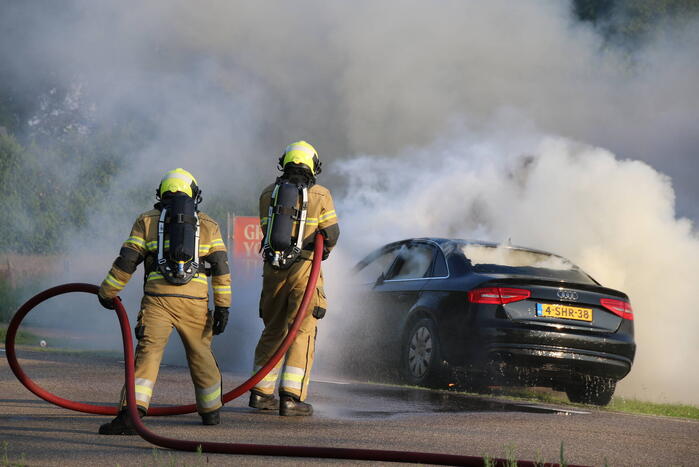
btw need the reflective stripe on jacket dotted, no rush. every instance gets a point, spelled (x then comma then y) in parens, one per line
(320, 215)
(143, 241)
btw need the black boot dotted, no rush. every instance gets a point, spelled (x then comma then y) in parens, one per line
(263, 401)
(292, 406)
(211, 418)
(121, 425)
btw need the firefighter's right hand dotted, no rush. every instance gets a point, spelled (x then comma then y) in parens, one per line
(108, 303)
(220, 319)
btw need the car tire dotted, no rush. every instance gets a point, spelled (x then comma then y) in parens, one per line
(591, 390)
(421, 359)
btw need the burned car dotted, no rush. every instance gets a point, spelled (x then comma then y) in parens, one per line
(503, 314)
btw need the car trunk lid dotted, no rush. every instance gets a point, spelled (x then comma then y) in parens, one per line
(560, 304)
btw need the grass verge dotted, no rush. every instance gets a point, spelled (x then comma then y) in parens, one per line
(5, 459)
(621, 404)
(26, 338)
(618, 404)
(22, 338)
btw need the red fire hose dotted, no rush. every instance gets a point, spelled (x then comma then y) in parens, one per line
(172, 410)
(212, 447)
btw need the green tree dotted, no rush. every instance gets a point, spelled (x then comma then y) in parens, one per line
(631, 22)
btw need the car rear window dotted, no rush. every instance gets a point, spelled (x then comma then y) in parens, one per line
(508, 260)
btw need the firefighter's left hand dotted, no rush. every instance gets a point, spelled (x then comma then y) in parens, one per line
(220, 319)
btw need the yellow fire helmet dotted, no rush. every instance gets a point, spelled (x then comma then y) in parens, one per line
(178, 180)
(300, 152)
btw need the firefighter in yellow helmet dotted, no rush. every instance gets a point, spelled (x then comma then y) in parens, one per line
(174, 241)
(292, 210)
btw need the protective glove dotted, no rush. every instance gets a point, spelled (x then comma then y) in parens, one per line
(220, 319)
(326, 253)
(319, 312)
(108, 303)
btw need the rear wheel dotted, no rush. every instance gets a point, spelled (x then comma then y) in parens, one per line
(421, 363)
(591, 390)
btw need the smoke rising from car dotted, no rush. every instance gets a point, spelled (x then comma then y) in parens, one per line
(508, 256)
(453, 97)
(614, 218)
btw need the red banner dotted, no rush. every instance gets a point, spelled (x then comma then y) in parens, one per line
(247, 236)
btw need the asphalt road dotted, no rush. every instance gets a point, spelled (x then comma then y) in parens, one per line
(348, 414)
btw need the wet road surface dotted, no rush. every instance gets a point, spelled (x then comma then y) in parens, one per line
(373, 401)
(348, 414)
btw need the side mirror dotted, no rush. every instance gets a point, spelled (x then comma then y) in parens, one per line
(380, 280)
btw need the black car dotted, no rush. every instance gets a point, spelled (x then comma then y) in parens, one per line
(504, 314)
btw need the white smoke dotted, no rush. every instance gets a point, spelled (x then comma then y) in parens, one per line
(228, 84)
(614, 218)
(446, 99)
(507, 256)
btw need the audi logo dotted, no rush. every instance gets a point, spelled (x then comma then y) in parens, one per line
(567, 295)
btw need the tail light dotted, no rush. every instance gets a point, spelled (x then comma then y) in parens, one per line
(497, 295)
(618, 307)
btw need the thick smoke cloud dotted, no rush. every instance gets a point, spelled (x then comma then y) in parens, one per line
(448, 96)
(557, 195)
(230, 83)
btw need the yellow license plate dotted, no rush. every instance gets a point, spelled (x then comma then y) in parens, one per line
(555, 310)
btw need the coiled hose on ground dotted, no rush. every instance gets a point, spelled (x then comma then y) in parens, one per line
(207, 446)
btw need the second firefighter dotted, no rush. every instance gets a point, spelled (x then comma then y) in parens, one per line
(292, 211)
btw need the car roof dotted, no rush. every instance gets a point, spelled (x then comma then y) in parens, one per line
(449, 245)
(445, 242)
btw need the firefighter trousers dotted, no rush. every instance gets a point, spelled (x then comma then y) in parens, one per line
(190, 317)
(282, 293)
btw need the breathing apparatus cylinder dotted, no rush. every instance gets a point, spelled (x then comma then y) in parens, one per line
(281, 248)
(180, 222)
(280, 238)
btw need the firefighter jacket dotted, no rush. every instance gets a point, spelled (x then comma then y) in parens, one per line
(320, 216)
(142, 246)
